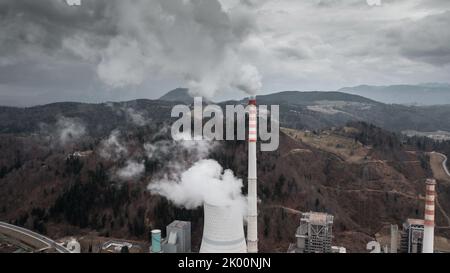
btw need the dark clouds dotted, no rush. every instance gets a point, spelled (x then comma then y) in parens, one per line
(113, 49)
(427, 40)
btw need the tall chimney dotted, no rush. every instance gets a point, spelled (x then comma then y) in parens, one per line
(252, 227)
(428, 233)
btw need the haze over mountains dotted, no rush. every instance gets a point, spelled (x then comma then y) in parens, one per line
(421, 94)
(300, 110)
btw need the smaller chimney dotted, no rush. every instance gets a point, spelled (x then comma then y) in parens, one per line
(428, 233)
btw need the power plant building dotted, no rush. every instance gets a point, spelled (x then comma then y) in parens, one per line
(178, 238)
(315, 233)
(412, 236)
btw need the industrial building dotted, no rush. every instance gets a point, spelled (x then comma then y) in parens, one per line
(418, 234)
(178, 237)
(412, 236)
(116, 246)
(314, 235)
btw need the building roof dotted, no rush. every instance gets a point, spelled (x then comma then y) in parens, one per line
(179, 224)
(318, 218)
(412, 221)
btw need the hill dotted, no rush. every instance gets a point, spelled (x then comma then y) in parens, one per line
(315, 110)
(307, 98)
(178, 95)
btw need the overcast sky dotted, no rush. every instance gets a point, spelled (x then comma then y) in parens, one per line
(109, 50)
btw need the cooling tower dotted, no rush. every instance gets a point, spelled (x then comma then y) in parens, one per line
(223, 230)
(428, 231)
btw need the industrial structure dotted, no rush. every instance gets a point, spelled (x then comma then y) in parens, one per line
(116, 246)
(252, 220)
(412, 236)
(315, 234)
(223, 230)
(394, 239)
(428, 233)
(178, 238)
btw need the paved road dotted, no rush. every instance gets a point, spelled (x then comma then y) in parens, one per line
(444, 162)
(30, 238)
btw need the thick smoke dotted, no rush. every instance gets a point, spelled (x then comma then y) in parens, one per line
(197, 40)
(205, 181)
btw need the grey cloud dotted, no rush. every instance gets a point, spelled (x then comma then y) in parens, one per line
(427, 40)
(115, 50)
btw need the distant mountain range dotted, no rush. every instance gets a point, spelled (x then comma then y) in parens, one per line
(422, 94)
(300, 110)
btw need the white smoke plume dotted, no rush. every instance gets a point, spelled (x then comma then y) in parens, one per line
(131, 170)
(69, 130)
(200, 41)
(189, 179)
(112, 148)
(205, 181)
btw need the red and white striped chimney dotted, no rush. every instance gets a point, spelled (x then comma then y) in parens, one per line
(252, 218)
(428, 233)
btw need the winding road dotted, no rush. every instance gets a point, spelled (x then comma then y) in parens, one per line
(442, 171)
(438, 163)
(32, 239)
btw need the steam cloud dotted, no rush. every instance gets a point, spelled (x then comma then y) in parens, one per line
(112, 148)
(132, 170)
(199, 41)
(69, 130)
(205, 181)
(136, 117)
(189, 179)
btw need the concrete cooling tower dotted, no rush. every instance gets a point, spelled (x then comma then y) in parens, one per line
(223, 230)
